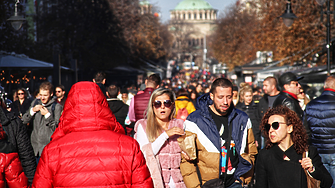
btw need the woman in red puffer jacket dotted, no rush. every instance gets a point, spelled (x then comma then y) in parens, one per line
(89, 148)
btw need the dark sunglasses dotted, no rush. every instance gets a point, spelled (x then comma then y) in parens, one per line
(20, 93)
(58, 91)
(275, 126)
(167, 103)
(296, 84)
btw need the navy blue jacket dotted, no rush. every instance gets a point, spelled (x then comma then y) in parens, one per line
(320, 114)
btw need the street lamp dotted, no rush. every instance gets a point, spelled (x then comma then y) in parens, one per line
(288, 16)
(16, 20)
(328, 12)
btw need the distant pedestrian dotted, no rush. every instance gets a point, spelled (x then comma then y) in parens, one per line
(139, 102)
(320, 118)
(89, 148)
(249, 106)
(270, 94)
(60, 94)
(45, 113)
(290, 88)
(20, 106)
(183, 104)
(100, 80)
(119, 109)
(287, 159)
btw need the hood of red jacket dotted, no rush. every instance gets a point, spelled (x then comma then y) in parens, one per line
(86, 109)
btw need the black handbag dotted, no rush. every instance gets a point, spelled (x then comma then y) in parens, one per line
(218, 182)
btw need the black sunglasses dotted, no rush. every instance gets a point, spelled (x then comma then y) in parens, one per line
(275, 126)
(158, 104)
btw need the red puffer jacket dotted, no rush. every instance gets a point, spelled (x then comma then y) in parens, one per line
(87, 149)
(12, 171)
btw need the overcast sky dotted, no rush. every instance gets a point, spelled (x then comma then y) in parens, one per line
(166, 5)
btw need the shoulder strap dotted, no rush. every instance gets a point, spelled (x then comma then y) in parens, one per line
(53, 107)
(36, 102)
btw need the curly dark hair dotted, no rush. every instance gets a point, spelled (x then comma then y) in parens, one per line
(298, 135)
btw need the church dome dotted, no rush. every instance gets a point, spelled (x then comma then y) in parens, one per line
(193, 5)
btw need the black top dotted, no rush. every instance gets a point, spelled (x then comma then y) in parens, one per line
(251, 110)
(17, 137)
(275, 172)
(119, 109)
(289, 101)
(19, 109)
(222, 126)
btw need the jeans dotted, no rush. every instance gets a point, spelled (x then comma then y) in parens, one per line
(235, 185)
(328, 161)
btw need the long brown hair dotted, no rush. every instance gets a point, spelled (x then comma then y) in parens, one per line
(298, 135)
(153, 130)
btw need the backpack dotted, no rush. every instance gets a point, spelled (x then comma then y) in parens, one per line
(182, 114)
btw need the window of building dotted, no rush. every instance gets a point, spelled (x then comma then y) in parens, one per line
(202, 41)
(205, 15)
(200, 15)
(197, 41)
(189, 16)
(193, 41)
(190, 43)
(184, 16)
(195, 16)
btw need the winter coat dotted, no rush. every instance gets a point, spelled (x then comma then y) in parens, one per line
(141, 103)
(251, 111)
(119, 109)
(184, 102)
(166, 163)
(289, 101)
(42, 127)
(18, 141)
(272, 171)
(89, 148)
(19, 109)
(12, 175)
(208, 145)
(263, 106)
(320, 118)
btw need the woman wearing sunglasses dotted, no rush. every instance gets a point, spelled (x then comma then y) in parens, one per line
(157, 135)
(281, 163)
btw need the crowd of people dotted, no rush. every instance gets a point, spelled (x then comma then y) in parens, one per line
(169, 133)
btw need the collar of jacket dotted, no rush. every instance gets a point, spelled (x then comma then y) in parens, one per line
(113, 99)
(182, 98)
(149, 90)
(290, 153)
(292, 94)
(329, 89)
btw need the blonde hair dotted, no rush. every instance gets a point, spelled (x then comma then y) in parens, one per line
(153, 129)
(244, 87)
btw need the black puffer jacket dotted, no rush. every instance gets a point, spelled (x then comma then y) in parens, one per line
(289, 101)
(251, 110)
(17, 136)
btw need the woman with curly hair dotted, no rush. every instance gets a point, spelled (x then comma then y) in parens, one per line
(281, 163)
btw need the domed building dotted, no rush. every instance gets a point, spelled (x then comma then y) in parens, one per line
(190, 22)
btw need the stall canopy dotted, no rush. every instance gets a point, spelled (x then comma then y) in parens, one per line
(22, 61)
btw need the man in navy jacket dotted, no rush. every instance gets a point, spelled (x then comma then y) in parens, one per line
(320, 115)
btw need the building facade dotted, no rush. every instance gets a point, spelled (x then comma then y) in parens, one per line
(191, 22)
